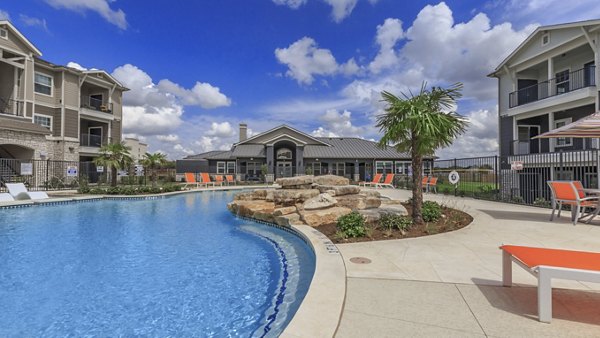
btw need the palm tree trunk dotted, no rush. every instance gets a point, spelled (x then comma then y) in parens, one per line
(113, 176)
(154, 177)
(417, 190)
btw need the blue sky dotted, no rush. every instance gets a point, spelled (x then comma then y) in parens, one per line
(198, 68)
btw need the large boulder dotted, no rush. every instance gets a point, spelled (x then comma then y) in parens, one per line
(289, 197)
(358, 201)
(298, 182)
(371, 216)
(339, 190)
(320, 202)
(284, 211)
(320, 217)
(258, 194)
(254, 209)
(331, 180)
(287, 220)
(395, 209)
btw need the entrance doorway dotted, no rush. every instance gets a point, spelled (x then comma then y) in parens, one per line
(284, 169)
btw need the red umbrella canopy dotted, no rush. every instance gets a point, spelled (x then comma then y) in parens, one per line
(587, 127)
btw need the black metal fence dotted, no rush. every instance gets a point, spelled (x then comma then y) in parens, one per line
(517, 179)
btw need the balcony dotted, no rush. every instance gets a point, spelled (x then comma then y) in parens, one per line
(569, 82)
(525, 147)
(91, 140)
(11, 107)
(93, 103)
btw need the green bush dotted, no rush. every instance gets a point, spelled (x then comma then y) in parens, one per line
(446, 191)
(541, 202)
(352, 225)
(131, 190)
(432, 211)
(391, 221)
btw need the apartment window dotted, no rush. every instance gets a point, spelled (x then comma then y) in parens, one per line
(253, 169)
(338, 168)
(43, 120)
(220, 167)
(563, 141)
(562, 82)
(545, 39)
(315, 167)
(384, 167)
(403, 167)
(231, 167)
(3, 33)
(43, 84)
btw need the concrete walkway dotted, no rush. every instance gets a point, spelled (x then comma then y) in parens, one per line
(449, 284)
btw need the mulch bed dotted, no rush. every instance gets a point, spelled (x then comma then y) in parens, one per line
(451, 220)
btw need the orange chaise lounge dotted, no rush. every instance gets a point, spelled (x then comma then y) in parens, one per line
(190, 179)
(376, 180)
(546, 264)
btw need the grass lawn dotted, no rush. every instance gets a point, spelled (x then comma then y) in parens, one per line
(465, 186)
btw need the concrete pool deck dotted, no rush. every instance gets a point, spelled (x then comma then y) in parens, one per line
(450, 284)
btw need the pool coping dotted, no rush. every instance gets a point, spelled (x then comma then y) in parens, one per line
(319, 313)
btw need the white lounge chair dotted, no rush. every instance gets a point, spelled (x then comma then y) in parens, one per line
(6, 197)
(19, 192)
(546, 264)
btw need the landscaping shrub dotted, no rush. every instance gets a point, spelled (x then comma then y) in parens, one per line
(446, 191)
(352, 225)
(130, 190)
(541, 202)
(391, 221)
(432, 211)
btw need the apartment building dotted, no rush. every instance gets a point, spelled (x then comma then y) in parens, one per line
(550, 80)
(138, 149)
(50, 111)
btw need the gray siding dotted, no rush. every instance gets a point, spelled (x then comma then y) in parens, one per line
(55, 113)
(6, 81)
(13, 42)
(71, 123)
(557, 37)
(506, 135)
(575, 114)
(71, 90)
(116, 131)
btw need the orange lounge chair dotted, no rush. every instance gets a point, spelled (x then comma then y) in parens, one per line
(389, 179)
(565, 192)
(230, 180)
(424, 183)
(190, 179)
(432, 185)
(376, 180)
(546, 264)
(219, 179)
(206, 179)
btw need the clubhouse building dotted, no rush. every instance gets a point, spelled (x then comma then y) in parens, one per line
(285, 151)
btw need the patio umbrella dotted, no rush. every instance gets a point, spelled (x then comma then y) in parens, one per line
(587, 127)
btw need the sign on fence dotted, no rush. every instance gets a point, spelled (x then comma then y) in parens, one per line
(26, 168)
(99, 169)
(72, 171)
(453, 177)
(516, 165)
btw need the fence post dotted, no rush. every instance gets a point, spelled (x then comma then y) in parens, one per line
(597, 154)
(455, 185)
(560, 165)
(47, 169)
(497, 174)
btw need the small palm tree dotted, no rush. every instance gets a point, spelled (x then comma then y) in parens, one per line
(114, 156)
(420, 124)
(153, 162)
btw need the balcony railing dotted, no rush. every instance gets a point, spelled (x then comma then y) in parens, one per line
(526, 147)
(90, 140)
(582, 78)
(96, 104)
(11, 107)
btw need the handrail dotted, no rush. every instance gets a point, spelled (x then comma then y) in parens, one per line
(581, 78)
(11, 107)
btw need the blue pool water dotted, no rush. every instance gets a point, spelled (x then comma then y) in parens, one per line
(177, 266)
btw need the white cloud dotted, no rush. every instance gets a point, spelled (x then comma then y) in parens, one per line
(181, 149)
(4, 15)
(294, 4)
(202, 94)
(322, 132)
(481, 139)
(223, 129)
(547, 11)
(102, 7)
(75, 65)
(171, 138)
(33, 22)
(388, 35)
(340, 9)
(305, 59)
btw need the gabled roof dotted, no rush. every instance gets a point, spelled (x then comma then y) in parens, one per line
(542, 29)
(249, 150)
(281, 128)
(204, 156)
(110, 77)
(351, 148)
(21, 37)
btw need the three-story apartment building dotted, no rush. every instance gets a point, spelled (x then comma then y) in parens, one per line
(550, 80)
(54, 112)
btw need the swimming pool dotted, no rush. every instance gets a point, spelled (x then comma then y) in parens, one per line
(176, 266)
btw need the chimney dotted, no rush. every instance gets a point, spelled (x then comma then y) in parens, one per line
(243, 132)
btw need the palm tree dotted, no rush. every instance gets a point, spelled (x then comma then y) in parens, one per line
(153, 162)
(420, 124)
(114, 156)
